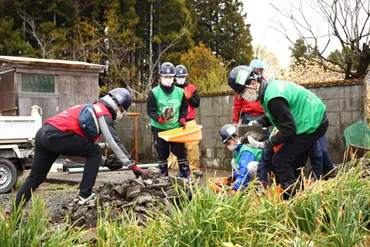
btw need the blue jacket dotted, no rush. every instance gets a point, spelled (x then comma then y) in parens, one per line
(242, 178)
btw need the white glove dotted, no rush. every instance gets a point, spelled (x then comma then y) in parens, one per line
(253, 123)
(235, 125)
(255, 144)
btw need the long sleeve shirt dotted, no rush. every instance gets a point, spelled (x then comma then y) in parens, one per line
(242, 178)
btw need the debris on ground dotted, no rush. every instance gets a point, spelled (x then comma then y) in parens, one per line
(131, 194)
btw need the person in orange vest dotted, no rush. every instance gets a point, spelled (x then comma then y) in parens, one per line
(75, 132)
(246, 110)
(193, 101)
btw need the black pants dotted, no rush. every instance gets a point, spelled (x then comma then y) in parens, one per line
(49, 144)
(163, 149)
(284, 159)
(265, 165)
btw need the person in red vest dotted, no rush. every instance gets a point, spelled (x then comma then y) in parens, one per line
(193, 101)
(63, 135)
(248, 111)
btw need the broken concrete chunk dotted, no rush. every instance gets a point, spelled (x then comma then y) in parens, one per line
(145, 198)
(133, 192)
(154, 172)
(122, 190)
(140, 209)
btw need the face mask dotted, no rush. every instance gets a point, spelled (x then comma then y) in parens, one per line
(119, 115)
(181, 81)
(251, 98)
(167, 82)
(232, 147)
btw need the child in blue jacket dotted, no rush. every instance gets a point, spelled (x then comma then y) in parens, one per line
(245, 158)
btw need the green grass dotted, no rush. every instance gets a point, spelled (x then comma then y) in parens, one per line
(332, 213)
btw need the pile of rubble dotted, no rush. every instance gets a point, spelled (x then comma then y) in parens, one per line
(159, 193)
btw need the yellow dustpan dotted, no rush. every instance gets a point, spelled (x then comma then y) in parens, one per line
(189, 134)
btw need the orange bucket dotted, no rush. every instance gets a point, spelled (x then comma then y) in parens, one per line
(218, 184)
(191, 133)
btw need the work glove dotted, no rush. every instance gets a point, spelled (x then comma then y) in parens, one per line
(187, 93)
(235, 125)
(255, 144)
(139, 172)
(161, 120)
(253, 123)
(105, 162)
(230, 180)
(182, 123)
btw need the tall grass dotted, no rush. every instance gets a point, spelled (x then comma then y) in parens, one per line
(327, 213)
(36, 230)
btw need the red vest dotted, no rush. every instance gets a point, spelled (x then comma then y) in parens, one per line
(68, 119)
(191, 111)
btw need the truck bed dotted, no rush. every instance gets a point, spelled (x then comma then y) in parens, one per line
(18, 129)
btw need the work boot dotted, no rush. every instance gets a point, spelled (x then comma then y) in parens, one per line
(82, 201)
(163, 166)
(198, 174)
(184, 168)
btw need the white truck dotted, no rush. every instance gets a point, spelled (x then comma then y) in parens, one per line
(17, 139)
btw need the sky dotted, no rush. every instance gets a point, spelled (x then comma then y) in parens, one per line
(259, 13)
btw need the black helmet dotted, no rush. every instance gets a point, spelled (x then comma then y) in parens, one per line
(122, 96)
(167, 68)
(241, 76)
(226, 132)
(181, 71)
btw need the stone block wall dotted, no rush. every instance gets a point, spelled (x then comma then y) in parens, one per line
(346, 104)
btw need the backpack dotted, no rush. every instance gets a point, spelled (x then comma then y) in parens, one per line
(88, 122)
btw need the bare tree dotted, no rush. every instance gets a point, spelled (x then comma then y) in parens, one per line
(44, 39)
(347, 22)
(117, 53)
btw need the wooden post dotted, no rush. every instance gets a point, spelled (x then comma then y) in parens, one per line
(136, 147)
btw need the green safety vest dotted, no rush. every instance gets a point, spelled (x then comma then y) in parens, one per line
(306, 108)
(164, 100)
(256, 152)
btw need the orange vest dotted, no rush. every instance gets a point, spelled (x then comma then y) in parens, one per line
(67, 121)
(191, 111)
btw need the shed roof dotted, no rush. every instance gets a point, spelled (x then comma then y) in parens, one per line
(48, 62)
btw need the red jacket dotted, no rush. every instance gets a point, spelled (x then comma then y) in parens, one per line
(241, 105)
(68, 119)
(191, 111)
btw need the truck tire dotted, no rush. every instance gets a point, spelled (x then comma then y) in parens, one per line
(8, 175)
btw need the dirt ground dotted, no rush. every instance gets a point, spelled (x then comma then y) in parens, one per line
(118, 189)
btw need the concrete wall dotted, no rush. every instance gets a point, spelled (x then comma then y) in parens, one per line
(345, 105)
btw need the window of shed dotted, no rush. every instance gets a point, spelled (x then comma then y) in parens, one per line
(38, 83)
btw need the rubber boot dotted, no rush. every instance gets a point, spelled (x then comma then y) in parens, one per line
(184, 168)
(163, 165)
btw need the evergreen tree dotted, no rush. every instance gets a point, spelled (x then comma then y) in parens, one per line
(221, 26)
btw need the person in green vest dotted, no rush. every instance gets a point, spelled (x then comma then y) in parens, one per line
(245, 160)
(298, 114)
(167, 108)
